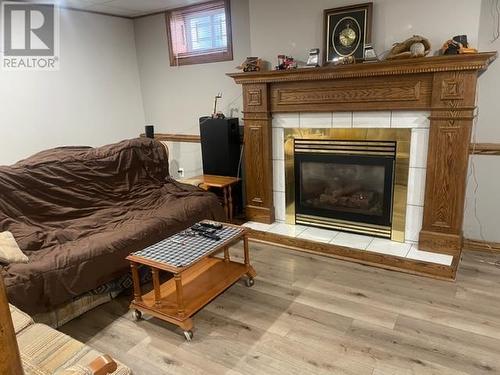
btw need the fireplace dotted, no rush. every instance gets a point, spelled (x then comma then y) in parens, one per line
(353, 180)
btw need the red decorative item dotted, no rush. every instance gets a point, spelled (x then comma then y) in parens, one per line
(286, 63)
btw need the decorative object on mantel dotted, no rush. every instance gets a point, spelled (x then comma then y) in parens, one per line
(251, 64)
(286, 63)
(370, 54)
(416, 46)
(217, 114)
(456, 46)
(347, 31)
(313, 59)
(345, 60)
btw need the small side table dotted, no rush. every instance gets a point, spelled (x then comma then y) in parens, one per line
(225, 183)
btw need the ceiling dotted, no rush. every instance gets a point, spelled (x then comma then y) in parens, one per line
(125, 8)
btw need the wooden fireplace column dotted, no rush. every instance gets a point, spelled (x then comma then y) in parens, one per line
(445, 85)
(451, 121)
(258, 153)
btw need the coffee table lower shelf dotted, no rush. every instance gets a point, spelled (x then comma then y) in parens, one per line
(199, 285)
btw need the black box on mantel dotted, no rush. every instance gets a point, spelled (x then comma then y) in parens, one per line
(220, 146)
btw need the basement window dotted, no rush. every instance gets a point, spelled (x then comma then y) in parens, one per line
(200, 33)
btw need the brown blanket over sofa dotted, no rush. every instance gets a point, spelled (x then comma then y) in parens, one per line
(77, 212)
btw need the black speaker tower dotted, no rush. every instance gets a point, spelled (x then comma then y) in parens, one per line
(220, 146)
(221, 150)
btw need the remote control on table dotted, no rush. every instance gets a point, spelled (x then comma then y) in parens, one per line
(200, 228)
(210, 235)
(211, 224)
(205, 231)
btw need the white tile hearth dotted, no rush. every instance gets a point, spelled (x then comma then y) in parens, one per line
(426, 256)
(315, 120)
(371, 119)
(287, 229)
(258, 226)
(355, 241)
(286, 120)
(381, 245)
(318, 234)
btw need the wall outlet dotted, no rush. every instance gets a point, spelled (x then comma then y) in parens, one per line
(180, 171)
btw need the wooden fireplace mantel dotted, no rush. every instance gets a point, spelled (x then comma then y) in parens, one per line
(444, 85)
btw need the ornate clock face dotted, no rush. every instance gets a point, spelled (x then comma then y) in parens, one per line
(347, 32)
(347, 36)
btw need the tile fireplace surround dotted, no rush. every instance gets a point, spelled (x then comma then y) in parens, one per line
(434, 96)
(417, 121)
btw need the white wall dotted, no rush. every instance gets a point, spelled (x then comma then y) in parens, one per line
(175, 97)
(293, 27)
(483, 203)
(94, 98)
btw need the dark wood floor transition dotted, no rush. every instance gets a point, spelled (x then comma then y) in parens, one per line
(309, 314)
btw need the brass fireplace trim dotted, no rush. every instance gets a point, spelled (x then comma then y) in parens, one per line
(345, 225)
(402, 138)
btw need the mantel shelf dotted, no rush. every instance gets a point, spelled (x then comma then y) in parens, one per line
(434, 64)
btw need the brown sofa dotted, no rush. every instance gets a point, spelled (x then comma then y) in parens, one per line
(77, 212)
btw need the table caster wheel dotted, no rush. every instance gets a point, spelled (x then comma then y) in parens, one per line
(188, 335)
(249, 282)
(137, 315)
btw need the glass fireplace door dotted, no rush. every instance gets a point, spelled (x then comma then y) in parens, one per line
(345, 187)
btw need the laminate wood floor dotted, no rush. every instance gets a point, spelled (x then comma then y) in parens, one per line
(309, 314)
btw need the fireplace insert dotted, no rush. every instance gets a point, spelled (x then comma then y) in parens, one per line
(346, 185)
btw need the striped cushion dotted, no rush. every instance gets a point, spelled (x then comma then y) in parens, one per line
(20, 319)
(77, 370)
(46, 351)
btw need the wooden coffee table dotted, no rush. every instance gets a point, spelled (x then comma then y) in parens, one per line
(199, 276)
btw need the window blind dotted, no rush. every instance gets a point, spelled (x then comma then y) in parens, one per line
(198, 30)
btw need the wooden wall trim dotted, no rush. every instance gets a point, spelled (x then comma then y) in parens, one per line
(478, 245)
(485, 148)
(190, 138)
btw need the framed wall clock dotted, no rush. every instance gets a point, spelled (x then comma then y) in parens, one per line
(347, 31)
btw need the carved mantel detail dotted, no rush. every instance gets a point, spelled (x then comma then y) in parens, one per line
(445, 85)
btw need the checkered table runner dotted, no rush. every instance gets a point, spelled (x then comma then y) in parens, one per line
(181, 251)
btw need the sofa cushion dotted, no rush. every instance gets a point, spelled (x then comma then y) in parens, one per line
(47, 351)
(9, 249)
(20, 319)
